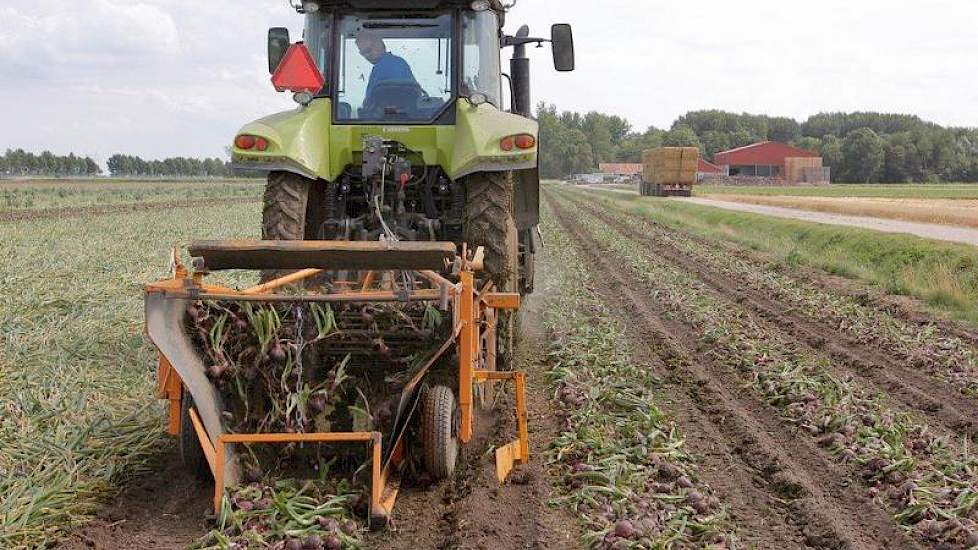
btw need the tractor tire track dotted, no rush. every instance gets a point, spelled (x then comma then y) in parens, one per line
(121, 208)
(809, 490)
(932, 399)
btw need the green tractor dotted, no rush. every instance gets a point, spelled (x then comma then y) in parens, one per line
(401, 132)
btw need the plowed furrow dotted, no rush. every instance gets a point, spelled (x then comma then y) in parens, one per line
(932, 399)
(809, 492)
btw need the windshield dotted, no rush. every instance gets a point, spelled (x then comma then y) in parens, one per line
(480, 69)
(394, 69)
(317, 39)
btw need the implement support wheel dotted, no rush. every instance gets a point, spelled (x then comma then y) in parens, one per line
(439, 431)
(191, 454)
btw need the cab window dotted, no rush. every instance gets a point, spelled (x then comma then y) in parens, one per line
(394, 69)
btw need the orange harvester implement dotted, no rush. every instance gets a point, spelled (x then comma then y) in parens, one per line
(439, 275)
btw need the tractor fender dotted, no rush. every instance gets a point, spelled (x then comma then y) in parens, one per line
(298, 142)
(478, 133)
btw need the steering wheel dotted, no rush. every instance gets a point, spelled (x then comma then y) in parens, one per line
(402, 96)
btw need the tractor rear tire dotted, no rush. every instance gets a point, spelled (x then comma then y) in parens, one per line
(439, 432)
(489, 223)
(291, 212)
(191, 453)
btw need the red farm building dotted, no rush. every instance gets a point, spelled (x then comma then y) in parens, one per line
(765, 159)
(706, 167)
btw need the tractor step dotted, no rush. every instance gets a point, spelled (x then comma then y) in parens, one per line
(327, 255)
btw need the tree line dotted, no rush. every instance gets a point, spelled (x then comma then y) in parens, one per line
(18, 162)
(180, 167)
(860, 147)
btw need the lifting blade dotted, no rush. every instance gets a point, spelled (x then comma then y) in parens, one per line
(507, 457)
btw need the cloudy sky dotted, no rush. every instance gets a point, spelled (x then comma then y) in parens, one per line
(178, 77)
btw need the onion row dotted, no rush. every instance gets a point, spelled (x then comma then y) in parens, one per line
(926, 481)
(621, 462)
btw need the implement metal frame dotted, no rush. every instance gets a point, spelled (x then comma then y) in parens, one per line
(474, 314)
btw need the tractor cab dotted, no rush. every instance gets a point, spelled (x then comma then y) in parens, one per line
(382, 63)
(402, 130)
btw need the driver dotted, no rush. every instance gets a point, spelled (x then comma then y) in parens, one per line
(387, 66)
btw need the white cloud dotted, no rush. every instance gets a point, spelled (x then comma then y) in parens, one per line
(178, 77)
(48, 38)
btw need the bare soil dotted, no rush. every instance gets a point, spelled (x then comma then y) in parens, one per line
(165, 510)
(115, 209)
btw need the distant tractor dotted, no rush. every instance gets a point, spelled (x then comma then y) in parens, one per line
(669, 171)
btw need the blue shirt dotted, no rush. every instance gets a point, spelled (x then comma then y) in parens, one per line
(389, 67)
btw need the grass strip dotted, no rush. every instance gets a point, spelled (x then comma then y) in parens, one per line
(622, 462)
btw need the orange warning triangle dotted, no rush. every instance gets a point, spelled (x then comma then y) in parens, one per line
(298, 72)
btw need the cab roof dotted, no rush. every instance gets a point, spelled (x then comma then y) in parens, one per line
(403, 4)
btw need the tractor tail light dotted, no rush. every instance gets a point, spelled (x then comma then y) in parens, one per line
(261, 144)
(507, 143)
(526, 141)
(245, 142)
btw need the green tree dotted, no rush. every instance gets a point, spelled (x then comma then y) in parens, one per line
(831, 151)
(682, 135)
(597, 130)
(808, 143)
(863, 155)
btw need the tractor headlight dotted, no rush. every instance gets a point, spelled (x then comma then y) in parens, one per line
(480, 5)
(310, 7)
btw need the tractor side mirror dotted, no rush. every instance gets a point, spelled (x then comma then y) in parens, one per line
(562, 36)
(278, 44)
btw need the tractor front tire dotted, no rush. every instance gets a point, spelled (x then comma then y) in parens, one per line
(489, 223)
(439, 431)
(191, 453)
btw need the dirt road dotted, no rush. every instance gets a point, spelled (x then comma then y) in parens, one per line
(926, 230)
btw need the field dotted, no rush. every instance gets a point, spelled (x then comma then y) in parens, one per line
(698, 378)
(17, 196)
